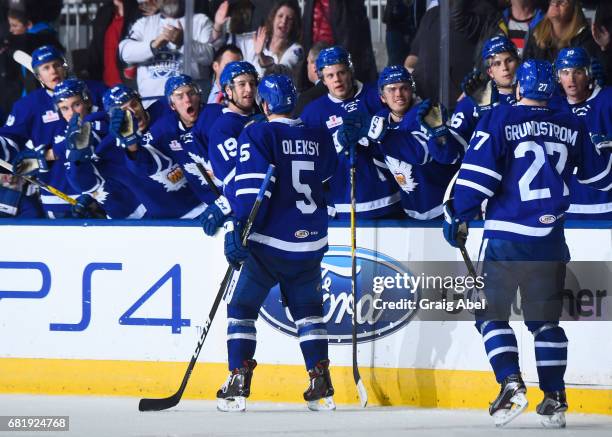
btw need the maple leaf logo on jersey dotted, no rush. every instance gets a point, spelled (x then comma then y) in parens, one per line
(171, 178)
(192, 167)
(402, 172)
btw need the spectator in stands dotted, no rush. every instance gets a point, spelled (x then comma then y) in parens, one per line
(155, 44)
(479, 20)
(226, 54)
(563, 26)
(247, 15)
(344, 23)
(18, 21)
(424, 59)
(602, 29)
(277, 42)
(319, 89)
(402, 18)
(112, 24)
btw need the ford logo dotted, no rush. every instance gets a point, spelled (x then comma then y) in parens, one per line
(374, 318)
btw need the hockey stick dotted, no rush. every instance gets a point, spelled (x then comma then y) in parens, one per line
(169, 402)
(208, 179)
(23, 59)
(363, 394)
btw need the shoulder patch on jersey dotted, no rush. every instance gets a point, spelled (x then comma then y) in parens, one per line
(176, 146)
(547, 219)
(50, 116)
(333, 121)
(10, 120)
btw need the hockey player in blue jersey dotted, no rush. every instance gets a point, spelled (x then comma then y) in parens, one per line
(500, 61)
(403, 144)
(286, 244)
(592, 104)
(377, 195)
(521, 159)
(239, 84)
(150, 154)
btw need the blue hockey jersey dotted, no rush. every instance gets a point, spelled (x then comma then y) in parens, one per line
(223, 142)
(167, 193)
(596, 114)
(376, 193)
(521, 159)
(292, 221)
(422, 180)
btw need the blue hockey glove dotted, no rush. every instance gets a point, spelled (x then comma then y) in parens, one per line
(86, 207)
(124, 127)
(480, 90)
(601, 141)
(378, 129)
(433, 118)
(354, 127)
(213, 216)
(598, 72)
(455, 230)
(29, 162)
(78, 139)
(235, 252)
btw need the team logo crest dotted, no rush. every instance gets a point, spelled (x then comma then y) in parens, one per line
(333, 121)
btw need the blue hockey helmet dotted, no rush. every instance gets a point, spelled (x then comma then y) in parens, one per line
(175, 82)
(496, 45)
(573, 57)
(69, 88)
(45, 54)
(535, 79)
(278, 91)
(332, 56)
(395, 74)
(117, 96)
(235, 69)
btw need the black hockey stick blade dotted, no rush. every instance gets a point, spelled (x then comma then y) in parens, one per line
(151, 404)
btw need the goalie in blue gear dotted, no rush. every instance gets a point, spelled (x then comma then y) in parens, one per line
(377, 196)
(278, 252)
(521, 159)
(591, 104)
(239, 85)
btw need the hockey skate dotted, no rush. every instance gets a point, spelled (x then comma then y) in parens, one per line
(319, 394)
(232, 395)
(552, 409)
(510, 402)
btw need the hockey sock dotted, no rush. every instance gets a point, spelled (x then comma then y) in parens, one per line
(312, 333)
(241, 336)
(551, 354)
(501, 347)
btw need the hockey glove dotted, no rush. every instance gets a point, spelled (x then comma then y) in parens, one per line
(124, 127)
(378, 129)
(433, 118)
(354, 126)
(235, 252)
(455, 230)
(78, 136)
(481, 91)
(214, 215)
(87, 207)
(29, 162)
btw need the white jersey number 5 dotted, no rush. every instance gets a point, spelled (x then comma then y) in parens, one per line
(309, 206)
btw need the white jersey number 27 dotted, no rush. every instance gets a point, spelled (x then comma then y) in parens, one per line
(537, 164)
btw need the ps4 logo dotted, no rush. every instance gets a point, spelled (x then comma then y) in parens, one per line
(373, 319)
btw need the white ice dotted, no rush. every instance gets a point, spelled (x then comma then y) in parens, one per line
(118, 417)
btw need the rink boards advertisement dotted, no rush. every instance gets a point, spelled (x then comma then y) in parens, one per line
(117, 309)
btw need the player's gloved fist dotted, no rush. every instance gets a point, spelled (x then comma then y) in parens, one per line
(214, 215)
(433, 117)
(30, 162)
(378, 129)
(455, 230)
(480, 90)
(235, 252)
(354, 126)
(124, 127)
(78, 137)
(86, 207)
